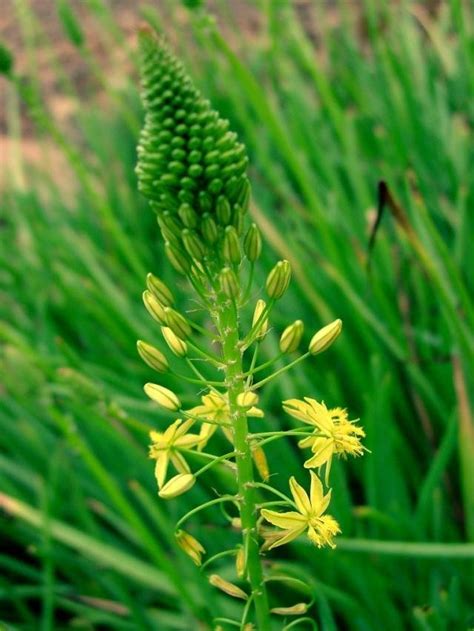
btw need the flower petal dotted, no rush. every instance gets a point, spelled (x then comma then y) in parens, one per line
(288, 536)
(307, 442)
(300, 496)
(161, 468)
(179, 462)
(199, 410)
(155, 436)
(298, 409)
(183, 427)
(317, 491)
(207, 430)
(187, 441)
(288, 520)
(320, 414)
(324, 454)
(170, 431)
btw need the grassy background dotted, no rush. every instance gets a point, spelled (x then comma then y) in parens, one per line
(330, 99)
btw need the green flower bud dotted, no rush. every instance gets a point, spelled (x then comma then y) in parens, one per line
(177, 323)
(323, 338)
(188, 216)
(177, 258)
(263, 326)
(231, 245)
(175, 343)
(164, 397)
(193, 245)
(209, 229)
(291, 337)
(223, 211)
(172, 223)
(278, 279)
(229, 282)
(152, 356)
(154, 307)
(159, 290)
(253, 243)
(238, 218)
(205, 202)
(170, 228)
(243, 198)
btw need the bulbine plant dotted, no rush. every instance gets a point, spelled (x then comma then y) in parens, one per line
(193, 170)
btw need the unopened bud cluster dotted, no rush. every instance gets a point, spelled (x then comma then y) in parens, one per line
(191, 166)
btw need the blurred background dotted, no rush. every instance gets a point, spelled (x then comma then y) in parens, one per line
(358, 117)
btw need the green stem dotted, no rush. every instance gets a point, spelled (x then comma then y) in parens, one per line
(280, 371)
(232, 356)
(197, 509)
(252, 370)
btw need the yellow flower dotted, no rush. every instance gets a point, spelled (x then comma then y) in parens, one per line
(165, 447)
(308, 516)
(215, 409)
(334, 433)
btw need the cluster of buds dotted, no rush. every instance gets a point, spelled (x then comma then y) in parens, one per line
(191, 167)
(193, 170)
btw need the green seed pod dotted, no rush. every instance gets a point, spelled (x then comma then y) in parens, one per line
(223, 211)
(159, 290)
(177, 258)
(175, 343)
(152, 356)
(154, 307)
(193, 245)
(253, 243)
(278, 279)
(177, 323)
(229, 283)
(209, 229)
(291, 337)
(231, 245)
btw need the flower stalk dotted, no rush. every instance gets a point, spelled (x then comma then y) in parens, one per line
(193, 171)
(228, 326)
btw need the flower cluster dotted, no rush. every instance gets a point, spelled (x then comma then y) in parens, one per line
(193, 171)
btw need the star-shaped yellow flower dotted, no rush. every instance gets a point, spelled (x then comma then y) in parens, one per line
(215, 409)
(308, 516)
(334, 433)
(166, 446)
